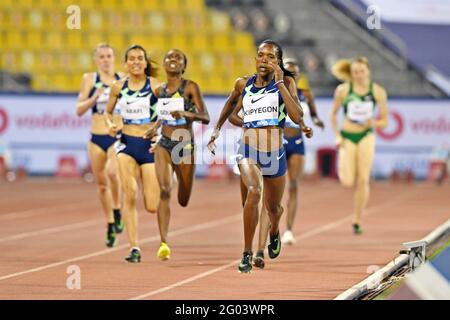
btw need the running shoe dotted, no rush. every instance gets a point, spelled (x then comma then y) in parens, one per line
(258, 261)
(111, 239)
(288, 238)
(274, 246)
(163, 251)
(246, 263)
(357, 228)
(135, 256)
(118, 222)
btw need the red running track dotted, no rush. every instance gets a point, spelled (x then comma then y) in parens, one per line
(48, 226)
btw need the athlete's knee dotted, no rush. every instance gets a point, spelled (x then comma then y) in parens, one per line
(165, 192)
(184, 194)
(129, 202)
(254, 194)
(151, 206)
(254, 190)
(347, 181)
(112, 174)
(129, 194)
(293, 185)
(274, 209)
(183, 200)
(102, 187)
(363, 182)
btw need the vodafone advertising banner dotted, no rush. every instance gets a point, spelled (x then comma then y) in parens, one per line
(37, 130)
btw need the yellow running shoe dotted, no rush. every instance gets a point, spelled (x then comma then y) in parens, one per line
(163, 251)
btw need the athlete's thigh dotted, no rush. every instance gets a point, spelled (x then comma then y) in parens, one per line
(273, 191)
(243, 190)
(185, 175)
(98, 160)
(129, 171)
(365, 154)
(250, 173)
(150, 185)
(347, 162)
(163, 166)
(295, 167)
(112, 164)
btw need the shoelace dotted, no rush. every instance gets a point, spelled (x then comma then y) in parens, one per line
(134, 253)
(246, 259)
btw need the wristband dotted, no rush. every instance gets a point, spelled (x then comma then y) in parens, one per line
(278, 82)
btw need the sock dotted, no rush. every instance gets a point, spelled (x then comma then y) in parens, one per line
(117, 215)
(110, 227)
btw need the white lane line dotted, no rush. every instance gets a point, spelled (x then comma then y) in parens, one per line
(44, 210)
(188, 280)
(181, 231)
(67, 227)
(306, 235)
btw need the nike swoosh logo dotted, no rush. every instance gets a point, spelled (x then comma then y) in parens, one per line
(277, 250)
(130, 102)
(279, 157)
(256, 100)
(298, 141)
(143, 93)
(166, 103)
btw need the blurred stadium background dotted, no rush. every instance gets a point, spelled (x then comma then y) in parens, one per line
(42, 61)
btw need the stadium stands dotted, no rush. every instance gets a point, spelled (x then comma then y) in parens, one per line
(316, 34)
(219, 38)
(432, 35)
(419, 34)
(35, 39)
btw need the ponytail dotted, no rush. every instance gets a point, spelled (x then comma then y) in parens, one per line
(342, 68)
(148, 69)
(286, 73)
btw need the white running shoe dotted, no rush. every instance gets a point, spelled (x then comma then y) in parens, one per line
(288, 238)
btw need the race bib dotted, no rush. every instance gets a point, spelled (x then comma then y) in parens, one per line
(261, 110)
(136, 111)
(360, 111)
(165, 106)
(103, 100)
